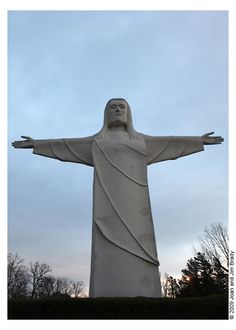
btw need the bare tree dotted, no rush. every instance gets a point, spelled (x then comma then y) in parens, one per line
(36, 282)
(215, 245)
(78, 289)
(37, 274)
(164, 285)
(47, 288)
(170, 287)
(17, 277)
(63, 286)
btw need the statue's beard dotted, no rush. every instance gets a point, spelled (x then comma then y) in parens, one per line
(117, 123)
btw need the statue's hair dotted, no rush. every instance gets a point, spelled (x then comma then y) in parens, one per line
(130, 129)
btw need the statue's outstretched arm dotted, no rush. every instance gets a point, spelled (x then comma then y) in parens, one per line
(27, 143)
(67, 150)
(161, 148)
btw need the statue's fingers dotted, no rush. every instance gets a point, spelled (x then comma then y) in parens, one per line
(15, 144)
(219, 138)
(26, 137)
(210, 133)
(207, 134)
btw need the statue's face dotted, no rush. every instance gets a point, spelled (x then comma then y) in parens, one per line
(117, 113)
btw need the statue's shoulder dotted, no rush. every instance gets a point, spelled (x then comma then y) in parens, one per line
(150, 138)
(84, 140)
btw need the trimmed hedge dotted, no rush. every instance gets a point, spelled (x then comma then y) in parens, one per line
(212, 307)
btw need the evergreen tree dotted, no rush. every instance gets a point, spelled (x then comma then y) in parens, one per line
(201, 278)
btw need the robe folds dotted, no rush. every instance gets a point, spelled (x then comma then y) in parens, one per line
(124, 259)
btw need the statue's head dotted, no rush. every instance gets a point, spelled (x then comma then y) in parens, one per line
(117, 112)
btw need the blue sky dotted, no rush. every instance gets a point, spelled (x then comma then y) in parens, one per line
(63, 67)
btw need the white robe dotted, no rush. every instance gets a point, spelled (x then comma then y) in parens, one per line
(124, 259)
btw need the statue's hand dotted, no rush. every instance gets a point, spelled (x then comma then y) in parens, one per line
(211, 140)
(28, 143)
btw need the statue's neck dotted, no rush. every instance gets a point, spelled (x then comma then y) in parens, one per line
(118, 132)
(120, 128)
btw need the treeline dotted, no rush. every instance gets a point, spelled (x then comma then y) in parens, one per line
(207, 272)
(36, 281)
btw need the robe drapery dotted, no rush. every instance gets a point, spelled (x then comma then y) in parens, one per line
(124, 259)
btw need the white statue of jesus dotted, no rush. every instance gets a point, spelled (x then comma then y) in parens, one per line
(124, 259)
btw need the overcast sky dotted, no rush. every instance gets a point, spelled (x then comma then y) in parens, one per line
(63, 67)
